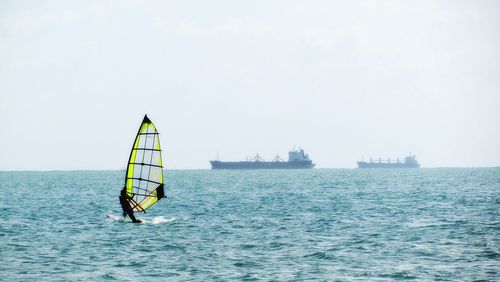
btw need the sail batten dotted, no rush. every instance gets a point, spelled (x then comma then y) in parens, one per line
(146, 149)
(147, 180)
(144, 176)
(146, 164)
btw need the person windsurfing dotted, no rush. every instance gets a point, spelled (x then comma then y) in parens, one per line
(125, 203)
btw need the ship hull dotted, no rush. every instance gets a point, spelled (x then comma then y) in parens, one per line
(262, 165)
(386, 165)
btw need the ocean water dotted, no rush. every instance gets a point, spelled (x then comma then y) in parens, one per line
(281, 225)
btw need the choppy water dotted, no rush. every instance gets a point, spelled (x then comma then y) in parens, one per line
(321, 224)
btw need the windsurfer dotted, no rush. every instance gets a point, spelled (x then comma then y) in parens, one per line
(125, 203)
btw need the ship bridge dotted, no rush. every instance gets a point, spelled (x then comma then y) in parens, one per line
(297, 156)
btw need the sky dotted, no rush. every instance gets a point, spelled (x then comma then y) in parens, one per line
(344, 80)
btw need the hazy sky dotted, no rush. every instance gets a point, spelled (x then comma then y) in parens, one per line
(342, 79)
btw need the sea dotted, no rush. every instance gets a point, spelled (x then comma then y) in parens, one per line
(429, 224)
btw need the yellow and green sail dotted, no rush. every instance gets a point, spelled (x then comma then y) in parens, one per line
(144, 177)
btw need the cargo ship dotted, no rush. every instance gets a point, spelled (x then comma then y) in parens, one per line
(409, 162)
(297, 159)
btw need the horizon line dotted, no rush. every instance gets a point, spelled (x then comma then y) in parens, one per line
(198, 169)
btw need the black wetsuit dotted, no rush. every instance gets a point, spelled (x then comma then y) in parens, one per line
(127, 210)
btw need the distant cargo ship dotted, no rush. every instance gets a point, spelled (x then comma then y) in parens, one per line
(296, 159)
(410, 162)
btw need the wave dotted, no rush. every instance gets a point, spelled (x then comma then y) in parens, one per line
(154, 220)
(161, 220)
(115, 217)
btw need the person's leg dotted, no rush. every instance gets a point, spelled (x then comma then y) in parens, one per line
(123, 205)
(134, 220)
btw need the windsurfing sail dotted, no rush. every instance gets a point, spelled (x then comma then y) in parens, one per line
(144, 177)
